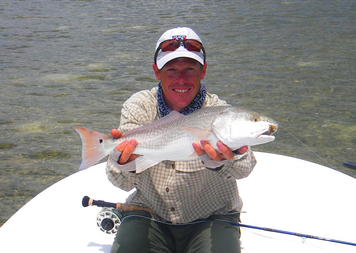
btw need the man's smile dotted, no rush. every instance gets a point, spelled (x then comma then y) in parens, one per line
(181, 90)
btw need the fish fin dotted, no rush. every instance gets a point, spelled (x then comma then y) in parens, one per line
(143, 163)
(92, 146)
(202, 135)
(205, 157)
(197, 134)
(193, 155)
(174, 115)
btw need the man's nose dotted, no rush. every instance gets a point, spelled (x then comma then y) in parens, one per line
(181, 77)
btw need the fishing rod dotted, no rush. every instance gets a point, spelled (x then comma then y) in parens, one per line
(124, 207)
(118, 206)
(291, 233)
(350, 165)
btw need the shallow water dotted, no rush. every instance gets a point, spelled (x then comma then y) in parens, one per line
(67, 63)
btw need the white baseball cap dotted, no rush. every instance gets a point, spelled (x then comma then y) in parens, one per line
(179, 33)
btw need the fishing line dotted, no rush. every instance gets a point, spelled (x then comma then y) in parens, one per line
(101, 203)
(303, 236)
(308, 148)
(284, 239)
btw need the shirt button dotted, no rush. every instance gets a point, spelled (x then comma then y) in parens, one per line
(173, 209)
(229, 177)
(167, 189)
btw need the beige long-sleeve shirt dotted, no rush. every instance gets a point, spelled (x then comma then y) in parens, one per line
(179, 192)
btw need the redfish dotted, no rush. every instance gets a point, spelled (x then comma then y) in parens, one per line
(171, 137)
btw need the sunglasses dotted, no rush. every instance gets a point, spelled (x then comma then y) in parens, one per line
(174, 44)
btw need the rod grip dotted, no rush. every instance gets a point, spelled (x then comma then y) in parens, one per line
(118, 206)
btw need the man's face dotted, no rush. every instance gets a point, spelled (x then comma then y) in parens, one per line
(180, 80)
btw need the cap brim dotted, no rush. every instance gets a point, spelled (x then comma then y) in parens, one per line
(164, 57)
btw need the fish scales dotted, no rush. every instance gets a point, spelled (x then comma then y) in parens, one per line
(171, 137)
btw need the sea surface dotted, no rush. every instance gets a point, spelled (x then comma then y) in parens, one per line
(73, 63)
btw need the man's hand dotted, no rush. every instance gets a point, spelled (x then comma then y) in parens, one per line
(126, 148)
(225, 152)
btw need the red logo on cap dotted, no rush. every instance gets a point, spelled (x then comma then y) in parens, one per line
(179, 37)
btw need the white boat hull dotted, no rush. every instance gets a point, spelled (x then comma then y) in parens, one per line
(281, 193)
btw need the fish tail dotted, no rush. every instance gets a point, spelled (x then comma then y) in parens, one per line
(92, 147)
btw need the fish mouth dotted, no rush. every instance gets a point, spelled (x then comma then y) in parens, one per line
(270, 131)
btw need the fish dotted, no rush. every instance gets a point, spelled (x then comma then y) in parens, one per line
(171, 137)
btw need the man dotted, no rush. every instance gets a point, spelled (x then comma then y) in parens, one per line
(189, 203)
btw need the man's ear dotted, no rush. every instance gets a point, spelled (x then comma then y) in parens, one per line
(156, 70)
(204, 71)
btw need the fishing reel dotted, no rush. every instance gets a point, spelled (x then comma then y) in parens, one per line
(108, 220)
(110, 217)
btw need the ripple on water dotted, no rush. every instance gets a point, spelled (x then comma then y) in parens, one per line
(48, 154)
(7, 145)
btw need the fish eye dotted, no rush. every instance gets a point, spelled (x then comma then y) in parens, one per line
(255, 119)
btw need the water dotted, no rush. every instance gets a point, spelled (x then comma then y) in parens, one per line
(67, 63)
